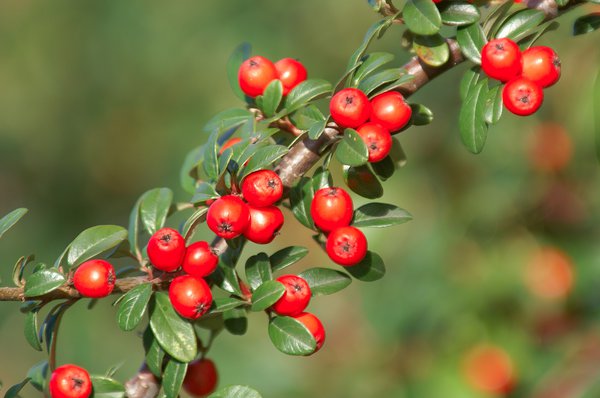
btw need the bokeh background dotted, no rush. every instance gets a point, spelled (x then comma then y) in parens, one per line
(100, 101)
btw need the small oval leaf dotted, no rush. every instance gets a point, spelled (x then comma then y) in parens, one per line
(291, 337)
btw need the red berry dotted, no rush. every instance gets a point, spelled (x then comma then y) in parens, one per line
(377, 139)
(346, 246)
(314, 326)
(501, 59)
(229, 143)
(350, 107)
(291, 72)
(265, 223)
(228, 216)
(262, 188)
(296, 296)
(522, 96)
(190, 296)
(391, 111)
(541, 65)
(70, 381)
(94, 278)
(201, 378)
(255, 74)
(199, 260)
(331, 208)
(166, 249)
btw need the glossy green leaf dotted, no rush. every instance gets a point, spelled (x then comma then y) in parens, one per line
(263, 158)
(154, 353)
(539, 32)
(226, 278)
(493, 105)
(363, 181)
(305, 117)
(154, 208)
(404, 78)
(222, 304)
(191, 161)
(375, 31)
(42, 282)
(370, 63)
(38, 375)
(305, 92)
(236, 321)
(258, 270)
(106, 387)
(291, 336)
(300, 198)
(210, 161)
(377, 80)
(271, 98)
(287, 256)
(239, 55)
(370, 269)
(432, 50)
(133, 306)
(266, 295)
(321, 178)
(315, 131)
(422, 17)
(11, 219)
(520, 24)
(421, 115)
(173, 376)
(586, 24)
(236, 392)
(469, 81)
(31, 330)
(174, 334)
(204, 192)
(473, 129)
(190, 225)
(19, 269)
(95, 241)
(380, 215)
(496, 17)
(471, 39)
(384, 169)
(228, 119)
(134, 230)
(13, 391)
(458, 13)
(352, 150)
(324, 281)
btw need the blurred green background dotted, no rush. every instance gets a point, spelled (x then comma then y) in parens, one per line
(100, 101)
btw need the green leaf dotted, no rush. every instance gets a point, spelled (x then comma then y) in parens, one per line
(471, 39)
(222, 304)
(421, 115)
(315, 131)
(42, 282)
(458, 13)
(13, 392)
(258, 270)
(370, 269)
(134, 227)
(173, 378)
(352, 150)
(95, 241)
(175, 335)
(38, 374)
(324, 281)
(493, 105)
(272, 97)
(291, 336)
(300, 199)
(380, 215)
(239, 55)
(154, 208)
(473, 129)
(204, 192)
(286, 257)
(433, 49)
(106, 387)
(385, 168)
(375, 31)
(210, 161)
(469, 81)
(266, 295)
(305, 92)
(236, 392)
(191, 162)
(154, 353)
(11, 219)
(133, 306)
(404, 78)
(31, 330)
(371, 62)
(263, 158)
(19, 268)
(520, 24)
(362, 181)
(585, 24)
(236, 321)
(226, 278)
(305, 117)
(228, 119)
(539, 32)
(422, 17)
(495, 17)
(321, 178)
(375, 81)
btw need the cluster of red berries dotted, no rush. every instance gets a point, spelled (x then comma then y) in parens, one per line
(525, 73)
(253, 215)
(332, 211)
(256, 73)
(294, 301)
(375, 120)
